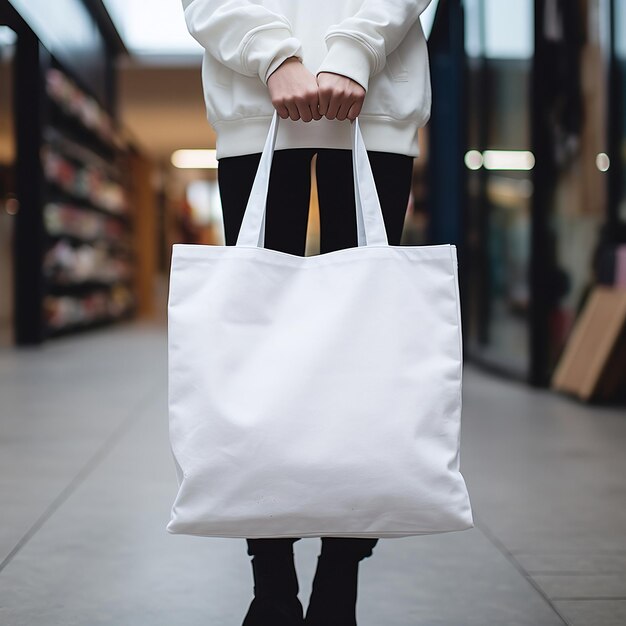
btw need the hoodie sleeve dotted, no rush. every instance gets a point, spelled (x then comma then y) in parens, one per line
(358, 46)
(246, 37)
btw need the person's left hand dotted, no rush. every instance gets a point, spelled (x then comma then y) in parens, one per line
(339, 96)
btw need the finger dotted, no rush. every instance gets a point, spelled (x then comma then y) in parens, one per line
(314, 107)
(305, 111)
(282, 111)
(323, 101)
(293, 110)
(344, 107)
(333, 107)
(354, 110)
(314, 112)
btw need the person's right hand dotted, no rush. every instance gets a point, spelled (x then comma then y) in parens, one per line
(294, 91)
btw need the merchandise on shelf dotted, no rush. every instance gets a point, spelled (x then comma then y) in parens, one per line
(87, 262)
(65, 219)
(66, 311)
(88, 182)
(61, 311)
(79, 105)
(65, 264)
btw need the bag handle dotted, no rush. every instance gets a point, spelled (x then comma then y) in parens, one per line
(369, 217)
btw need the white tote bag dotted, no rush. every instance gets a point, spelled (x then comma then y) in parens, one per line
(316, 395)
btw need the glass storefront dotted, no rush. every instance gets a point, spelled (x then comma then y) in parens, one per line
(537, 173)
(8, 197)
(619, 26)
(571, 106)
(499, 47)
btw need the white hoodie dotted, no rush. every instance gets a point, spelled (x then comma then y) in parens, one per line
(378, 43)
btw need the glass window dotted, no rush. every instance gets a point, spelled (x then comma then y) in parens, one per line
(499, 44)
(508, 29)
(620, 51)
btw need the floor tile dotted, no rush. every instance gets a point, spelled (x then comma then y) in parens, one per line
(87, 482)
(578, 586)
(594, 612)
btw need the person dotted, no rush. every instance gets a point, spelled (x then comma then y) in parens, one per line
(320, 65)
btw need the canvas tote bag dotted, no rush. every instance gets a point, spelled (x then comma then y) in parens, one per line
(315, 395)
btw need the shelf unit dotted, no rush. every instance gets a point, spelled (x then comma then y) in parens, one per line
(74, 245)
(87, 261)
(74, 233)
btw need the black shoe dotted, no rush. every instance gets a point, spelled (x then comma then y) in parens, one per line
(275, 600)
(334, 593)
(268, 612)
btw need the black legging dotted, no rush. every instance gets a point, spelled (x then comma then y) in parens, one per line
(285, 230)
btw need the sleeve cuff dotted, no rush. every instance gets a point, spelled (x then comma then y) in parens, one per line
(277, 61)
(348, 57)
(268, 48)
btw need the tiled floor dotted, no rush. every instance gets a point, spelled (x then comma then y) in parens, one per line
(86, 481)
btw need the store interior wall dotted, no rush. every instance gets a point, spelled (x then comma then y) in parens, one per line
(164, 107)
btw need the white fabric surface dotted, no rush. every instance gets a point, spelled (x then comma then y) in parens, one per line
(316, 396)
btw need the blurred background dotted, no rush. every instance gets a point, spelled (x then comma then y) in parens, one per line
(107, 159)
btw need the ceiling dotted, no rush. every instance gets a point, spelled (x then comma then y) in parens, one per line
(162, 31)
(159, 31)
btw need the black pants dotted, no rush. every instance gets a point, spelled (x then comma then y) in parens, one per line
(285, 230)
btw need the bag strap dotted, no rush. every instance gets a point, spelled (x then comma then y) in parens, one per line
(369, 217)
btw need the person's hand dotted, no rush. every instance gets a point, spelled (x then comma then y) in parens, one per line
(339, 96)
(293, 90)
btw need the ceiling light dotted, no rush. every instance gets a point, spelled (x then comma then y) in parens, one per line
(603, 162)
(508, 160)
(194, 159)
(159, 29)
(473, 160)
